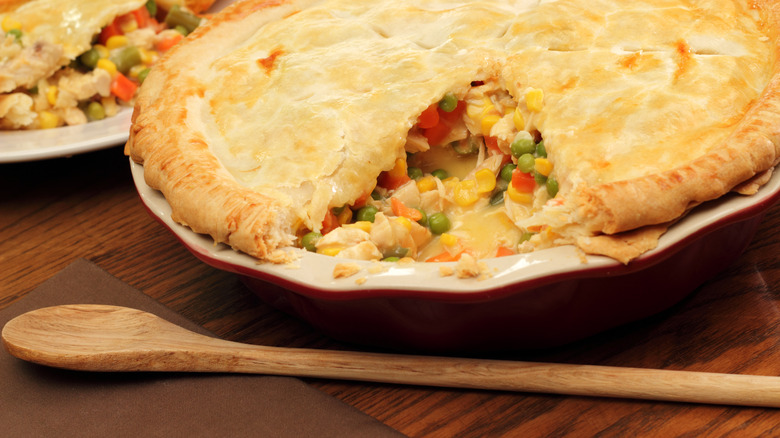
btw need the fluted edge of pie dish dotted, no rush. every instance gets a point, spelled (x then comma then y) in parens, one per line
(536, 300)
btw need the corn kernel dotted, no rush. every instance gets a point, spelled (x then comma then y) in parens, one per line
(107, 65)
(451, 182)
(332, 251)
(543, 166)
(518, 120)
(399, 170)
(51, 94)
(487, 123)
(465, 193)
(148, 57)
(534, 99)
(486, 181)
(426, 183)
(405, 222)
(362, 225)
(48, 119)
(489, 109)
(102, 50)
(448, 239)
(345, 216)
(519, 197)
(10, 24)
(128, 26)
(116, 41)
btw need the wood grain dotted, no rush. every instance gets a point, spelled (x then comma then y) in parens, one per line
(53, 212)
(110, 338)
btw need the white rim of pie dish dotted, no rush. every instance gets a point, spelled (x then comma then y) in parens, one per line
(314, 272)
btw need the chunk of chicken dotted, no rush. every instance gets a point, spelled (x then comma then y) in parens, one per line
(32, 63)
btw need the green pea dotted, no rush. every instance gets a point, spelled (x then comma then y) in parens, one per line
(89, 58)
(95, 111)
(414, 172)
(397, 252)
(142, 75)
(522, 145)
(17, 33)
(439, 223)
(440, 173)
(179, 17)
(126, 58)
(541, 151)
(448, 103)
(526, 163)
(497, 198)
(539, 178)
(552, 187)
(151, 6)
(367, 213)
(506, 171)
(376, 195)
(526, 236)
(391, 259)
(424, 220)
(310, 239)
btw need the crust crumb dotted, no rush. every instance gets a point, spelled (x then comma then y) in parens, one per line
(376, 268)
(344, 270)
(446, 271)
(361, 280)
(469, 267)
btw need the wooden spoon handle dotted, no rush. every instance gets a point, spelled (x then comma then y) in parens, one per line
(109, 338)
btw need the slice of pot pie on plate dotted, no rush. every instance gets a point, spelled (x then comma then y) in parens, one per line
(67, 62)
(430, 130)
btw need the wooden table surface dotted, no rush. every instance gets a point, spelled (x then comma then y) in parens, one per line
(55, 211)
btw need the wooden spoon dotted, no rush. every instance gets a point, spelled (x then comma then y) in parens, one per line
(110, 338)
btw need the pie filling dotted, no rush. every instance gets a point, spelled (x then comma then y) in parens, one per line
(95, 84)
(475, 168)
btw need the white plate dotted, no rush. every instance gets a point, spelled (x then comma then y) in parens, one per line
(40, 144)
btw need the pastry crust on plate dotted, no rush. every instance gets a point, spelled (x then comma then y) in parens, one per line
(274, 112)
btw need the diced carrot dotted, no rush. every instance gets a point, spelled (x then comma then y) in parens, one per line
(395, 177)
(361, 201)
(141, 16)
(523, 182)
(492, 144)
(123, 88)
(391, 181)
(330, 223)
(436, 134)
(455, 114)
(429, 118)
(400, 209)
(503, 251)
(445, 256)
(169, 41)
(109, 31)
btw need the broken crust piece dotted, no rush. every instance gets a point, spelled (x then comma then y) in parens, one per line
(344, 270)
(625, 246)
(663, 106)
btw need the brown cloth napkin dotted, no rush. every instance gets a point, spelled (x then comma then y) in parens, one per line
(37, 401)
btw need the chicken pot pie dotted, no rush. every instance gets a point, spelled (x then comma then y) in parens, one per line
(66, 62)
(433, 129)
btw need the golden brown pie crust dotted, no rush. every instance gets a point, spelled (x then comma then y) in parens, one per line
(274, 112)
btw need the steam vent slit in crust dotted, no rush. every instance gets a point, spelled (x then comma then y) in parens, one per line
(450, 130)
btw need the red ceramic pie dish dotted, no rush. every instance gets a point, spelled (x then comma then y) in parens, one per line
(538, 300)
